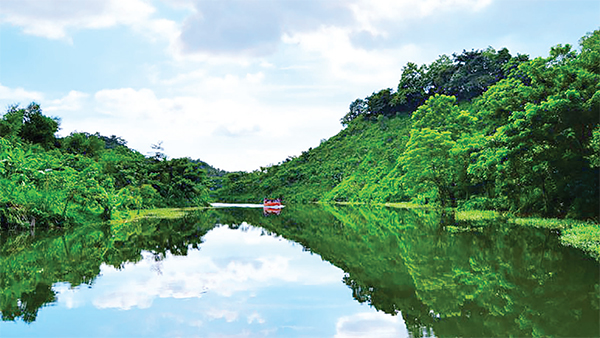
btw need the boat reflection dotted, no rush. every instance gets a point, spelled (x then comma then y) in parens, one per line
(271, 211)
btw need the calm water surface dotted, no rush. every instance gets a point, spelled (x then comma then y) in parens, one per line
(306, 272)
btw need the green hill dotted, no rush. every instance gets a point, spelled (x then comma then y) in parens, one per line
(481, 129)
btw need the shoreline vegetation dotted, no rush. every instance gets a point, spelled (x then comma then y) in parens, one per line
(475, 131)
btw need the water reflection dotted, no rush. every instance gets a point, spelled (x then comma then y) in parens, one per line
(427, 274)
(449, 278)
(234, 274)
(230, 280)
(29, 267)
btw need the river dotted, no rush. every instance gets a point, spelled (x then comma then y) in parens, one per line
(303, 271)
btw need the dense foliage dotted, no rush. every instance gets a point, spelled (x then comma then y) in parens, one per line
(48, 182)
(480, 130)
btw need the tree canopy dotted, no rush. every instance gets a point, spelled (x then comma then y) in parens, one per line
(465, 76)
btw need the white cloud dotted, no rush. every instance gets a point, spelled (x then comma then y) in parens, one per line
(19, 95)
(233, 29)
(185, 4)
(124, 300)
(67, 295)
(255, 317)
(53, 19)
(370, 324)
(156, 29)
(255, 78)
(196, 274)
(73, 101)
(254, 27)
(129, 103)
(196, 323)
(370, 14)
(229, 316)
(222, 120)
(344, 61)
(143, 119)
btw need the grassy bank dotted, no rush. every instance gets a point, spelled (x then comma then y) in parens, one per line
(166, 213)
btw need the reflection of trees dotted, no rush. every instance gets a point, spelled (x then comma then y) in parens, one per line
(503, 280)
(445, 277)
(375, 270)
(379, 268)
(29, 267)
(489, 281)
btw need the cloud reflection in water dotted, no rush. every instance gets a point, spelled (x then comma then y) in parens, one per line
(240, 280)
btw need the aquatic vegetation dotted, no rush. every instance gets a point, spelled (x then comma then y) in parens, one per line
(162, 213)
(584, 237)
(550, 223)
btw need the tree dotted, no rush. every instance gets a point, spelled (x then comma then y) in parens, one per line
(180, 182)
(436, 156)
(438, 75)
(37, 128)
(412, 87)
(589, 58)
(11, 123)
(381, 103)
(475, 71)
(541, 122)
(84, 144)
(357, 108)
(429, 173)
(112, 142)
(595, 148)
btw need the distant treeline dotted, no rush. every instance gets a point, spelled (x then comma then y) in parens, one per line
(47, 181)
(481, 130)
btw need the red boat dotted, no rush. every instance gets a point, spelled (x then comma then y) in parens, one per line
(268, 202)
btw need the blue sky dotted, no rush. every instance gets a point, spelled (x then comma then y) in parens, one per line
(246, 83)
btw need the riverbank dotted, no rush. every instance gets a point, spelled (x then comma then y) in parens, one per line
(164, 213)
(583, 235)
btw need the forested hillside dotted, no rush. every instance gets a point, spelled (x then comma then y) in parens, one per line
(364, 146)
(51, 182)
(481, 129)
